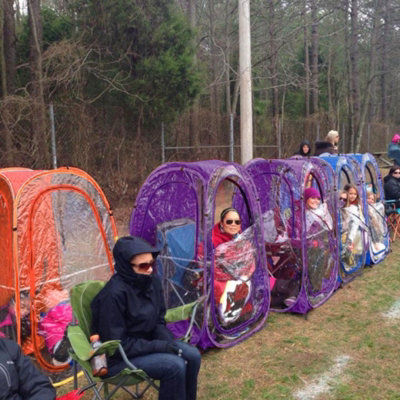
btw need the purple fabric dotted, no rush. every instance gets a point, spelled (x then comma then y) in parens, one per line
(177, 191)
(281, 186)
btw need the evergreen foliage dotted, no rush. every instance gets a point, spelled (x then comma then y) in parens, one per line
(143, 54)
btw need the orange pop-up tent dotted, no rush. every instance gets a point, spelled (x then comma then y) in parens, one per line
(57, 230)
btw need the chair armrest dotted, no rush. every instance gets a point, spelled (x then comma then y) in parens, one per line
(81, 345)
(182, 312)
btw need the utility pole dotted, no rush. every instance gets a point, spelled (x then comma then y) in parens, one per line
(246, 109)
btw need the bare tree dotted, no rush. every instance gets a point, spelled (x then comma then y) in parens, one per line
(306, 60)
(9, 44)
(314, 57)
(354, 73)
(272, 66)
(39, 125)
(383, 59)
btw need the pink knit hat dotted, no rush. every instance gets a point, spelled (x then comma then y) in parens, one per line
(395, 138)
(311, 192)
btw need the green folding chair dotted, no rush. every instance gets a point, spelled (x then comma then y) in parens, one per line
(81, 297)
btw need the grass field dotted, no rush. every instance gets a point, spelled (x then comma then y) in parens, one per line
(348, 348)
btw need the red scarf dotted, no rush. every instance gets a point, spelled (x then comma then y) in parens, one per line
(218, 237)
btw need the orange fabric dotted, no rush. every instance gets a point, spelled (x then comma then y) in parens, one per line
(32, 255)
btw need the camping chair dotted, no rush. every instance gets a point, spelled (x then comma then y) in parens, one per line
(393, 214)
(81, 351)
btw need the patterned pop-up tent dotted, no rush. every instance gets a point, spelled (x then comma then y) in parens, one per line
(351, 224)
(57, 230)
(300, 242)
(177, 208)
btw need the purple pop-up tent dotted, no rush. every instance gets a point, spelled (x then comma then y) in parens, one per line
(176, 208)
(300, 243)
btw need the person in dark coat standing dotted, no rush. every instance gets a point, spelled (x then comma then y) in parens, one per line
(19, 378)
(131, 308)
(392, 185)
(324, 148)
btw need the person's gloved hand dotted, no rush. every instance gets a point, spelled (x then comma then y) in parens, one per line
(174, 349)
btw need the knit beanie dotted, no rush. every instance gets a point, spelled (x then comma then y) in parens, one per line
(311, 192)
(395, 138)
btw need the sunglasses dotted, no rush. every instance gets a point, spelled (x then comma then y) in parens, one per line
(396, 172)
(343, 198)
(231, 221)
(144, 266)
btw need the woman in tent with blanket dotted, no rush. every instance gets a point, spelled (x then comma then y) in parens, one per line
(234, 266)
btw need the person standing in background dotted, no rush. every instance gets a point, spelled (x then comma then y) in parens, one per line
(394, 149)
(333, 137)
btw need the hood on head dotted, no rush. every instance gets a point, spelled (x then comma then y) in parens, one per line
(125, 249)
(305, 142)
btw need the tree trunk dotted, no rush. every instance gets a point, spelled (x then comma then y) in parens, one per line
(314, 56)
(9, 44)
(194, 129)
(214, 100)
(383, 61)
(371, 78)
(40, 151)
(3, 74)
(273, 70)
(306, 61)
(227, 62)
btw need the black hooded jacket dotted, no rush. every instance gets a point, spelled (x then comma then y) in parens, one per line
(19, 378)
(392, 188)
(131, 307)
(301, 152)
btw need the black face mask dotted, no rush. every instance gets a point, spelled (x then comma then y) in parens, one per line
(123, 252)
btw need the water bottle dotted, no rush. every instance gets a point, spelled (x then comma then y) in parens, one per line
(98, 362)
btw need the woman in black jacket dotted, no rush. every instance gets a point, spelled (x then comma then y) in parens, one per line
(392, 185)
(131, 308)
(19, 378)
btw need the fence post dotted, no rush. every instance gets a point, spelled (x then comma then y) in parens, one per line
(53, 136)
(368, 136)
(387, 134)
(231, 140)
(162, 143)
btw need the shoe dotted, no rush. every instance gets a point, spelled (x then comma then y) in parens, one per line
(290, 301)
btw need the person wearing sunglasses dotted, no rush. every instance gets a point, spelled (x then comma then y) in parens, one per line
(234, 265)
(228, 228)
(130, 308)
(342, 199)
(392, 185)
